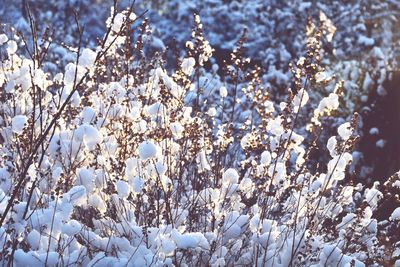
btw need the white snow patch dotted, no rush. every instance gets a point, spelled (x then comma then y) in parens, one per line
(223, 92)
(33, 239)
(275, 126)
(122, 189)
(364, 40)
(189, 240)
(12, 47)
(88, 134)
(374, 131)
(87, 58)
(177, 129)
(147, 150)
(18, 123)
(97, 202)
(395, 214)
(266, 158)
(3, 39)
(345, 130)
(381, 143)
(230, 176)
(137, 184)
(187, 65)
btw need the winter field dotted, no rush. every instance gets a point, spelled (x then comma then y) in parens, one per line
(199, 133)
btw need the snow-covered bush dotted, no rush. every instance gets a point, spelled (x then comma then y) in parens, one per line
(119, 161)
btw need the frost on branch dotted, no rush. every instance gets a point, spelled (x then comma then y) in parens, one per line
(148, 165)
